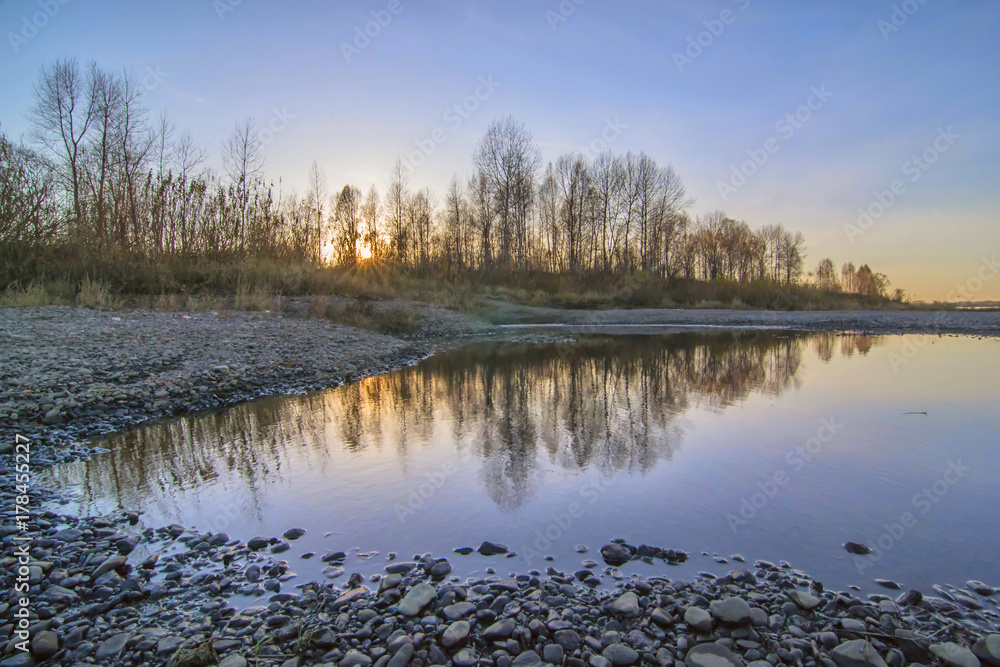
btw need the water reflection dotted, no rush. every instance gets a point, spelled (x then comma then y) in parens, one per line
(610, 404)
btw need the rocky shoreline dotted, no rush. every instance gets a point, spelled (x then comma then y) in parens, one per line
(73, 373)
(94, 607)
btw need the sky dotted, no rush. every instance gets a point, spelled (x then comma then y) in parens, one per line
(871, 126)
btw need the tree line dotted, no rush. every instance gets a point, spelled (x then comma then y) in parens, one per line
(99, 172)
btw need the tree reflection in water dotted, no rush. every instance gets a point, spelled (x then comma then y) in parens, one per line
(611, 403)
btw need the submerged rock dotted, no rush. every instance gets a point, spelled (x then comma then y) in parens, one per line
(491, 549)
(615, 554)
(857, 549)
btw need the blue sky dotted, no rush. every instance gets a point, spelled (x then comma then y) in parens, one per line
(890, 89)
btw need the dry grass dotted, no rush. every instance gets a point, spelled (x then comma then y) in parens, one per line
(37, 294)
(67, 275)
(97, 295)
(194, 654)
(362, 313)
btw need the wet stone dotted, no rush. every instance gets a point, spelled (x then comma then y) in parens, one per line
(712, 655)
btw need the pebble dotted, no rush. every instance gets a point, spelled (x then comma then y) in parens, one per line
(698, 619)
(734, 611)
(712, 654)
(954, 655)
(416, 599)
(987, 649)
(857, 653)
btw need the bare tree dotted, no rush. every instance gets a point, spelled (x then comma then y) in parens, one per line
(371, 232)
(792, 255)
(347, 224)
(573, 181)
(163, 140)
(316, 198)
(244, 163)
(484, 218)
(826, 276)
(61, 116)
(847, 274)
(27, 207)
(395, 204)
(508, 159)
(188, 156)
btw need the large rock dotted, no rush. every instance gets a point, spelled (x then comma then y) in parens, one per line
(349, 596)
(615, 554)
(626, 605)
(857, 549)
(712, 655)
(402, 656)
(954, 655)
(257, 543)
(355, 659)
(527, 659)
(455, 634)
(805, 600)
(491, 549)
(553, 653)
(568, 639)
(45, 644)
(59, 595)
(621, 655)
(857, 653)
(108, 565)
(698, 619)
(661, 618)
(112, 646)
(500, 630)
(987, 649)
(416, 599)
(465, 658)
(733, 611)
(453, 612)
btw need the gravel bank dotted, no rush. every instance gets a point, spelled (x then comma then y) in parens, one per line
(870, 321)
(69, 373)
(93, 606)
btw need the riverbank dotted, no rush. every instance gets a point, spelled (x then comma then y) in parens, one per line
(87, 372)
(71, 373)
(876, 322)
(93, 606)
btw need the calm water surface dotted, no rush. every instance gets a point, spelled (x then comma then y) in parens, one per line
(773, 445)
